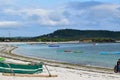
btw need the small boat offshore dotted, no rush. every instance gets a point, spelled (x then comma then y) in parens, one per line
(53, 45)
(109, 52)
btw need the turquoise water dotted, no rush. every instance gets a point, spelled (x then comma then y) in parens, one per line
(85, 54)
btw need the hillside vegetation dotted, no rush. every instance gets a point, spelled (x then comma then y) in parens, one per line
(72, 34)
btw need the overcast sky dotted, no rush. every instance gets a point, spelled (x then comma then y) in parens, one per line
(37, 17)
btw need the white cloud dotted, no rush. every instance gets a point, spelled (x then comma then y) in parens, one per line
(54, 23)
(103, 16)
(92, 15)
(44, 16)
(28, 12)
(8, 23)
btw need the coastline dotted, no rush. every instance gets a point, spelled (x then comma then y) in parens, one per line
(38, 42)
(7, 52)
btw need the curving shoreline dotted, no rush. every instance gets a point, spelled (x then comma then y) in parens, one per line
(7, 52)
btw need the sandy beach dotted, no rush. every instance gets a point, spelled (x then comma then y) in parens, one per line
(63, 71)
(68, 74)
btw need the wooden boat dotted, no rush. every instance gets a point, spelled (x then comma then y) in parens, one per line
(78, 51)
(67, 51)
(109, 52)
(21, 68)
(53, 45)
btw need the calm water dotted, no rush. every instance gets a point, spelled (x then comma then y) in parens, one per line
(85, 54)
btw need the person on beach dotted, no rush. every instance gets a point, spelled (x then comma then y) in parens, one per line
(118, 65)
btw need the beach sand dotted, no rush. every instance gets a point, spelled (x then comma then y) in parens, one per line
(67, 74)
(63, 71)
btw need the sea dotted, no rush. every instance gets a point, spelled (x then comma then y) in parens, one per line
(89, 54)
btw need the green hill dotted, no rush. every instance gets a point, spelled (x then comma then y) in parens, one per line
(72, 34)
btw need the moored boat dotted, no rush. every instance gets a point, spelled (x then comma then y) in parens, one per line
(78, 51)
(53, 45)
(109, 52)
(67, 51)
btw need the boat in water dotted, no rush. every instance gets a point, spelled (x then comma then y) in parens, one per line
(109, 52)
(67, 51)
(53, 45)
(78, 51)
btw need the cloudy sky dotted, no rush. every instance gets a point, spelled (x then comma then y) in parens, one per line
(37, 17)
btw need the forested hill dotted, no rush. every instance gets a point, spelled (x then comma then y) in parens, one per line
(72, 34)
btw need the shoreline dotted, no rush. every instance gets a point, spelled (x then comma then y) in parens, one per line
(67, 42)
(38, 42)
(9, 54)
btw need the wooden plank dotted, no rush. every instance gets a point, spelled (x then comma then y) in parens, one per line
(29, 75)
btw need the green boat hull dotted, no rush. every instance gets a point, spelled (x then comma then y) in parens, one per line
(20, 68)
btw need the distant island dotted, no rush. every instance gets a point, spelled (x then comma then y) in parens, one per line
(71, 35)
